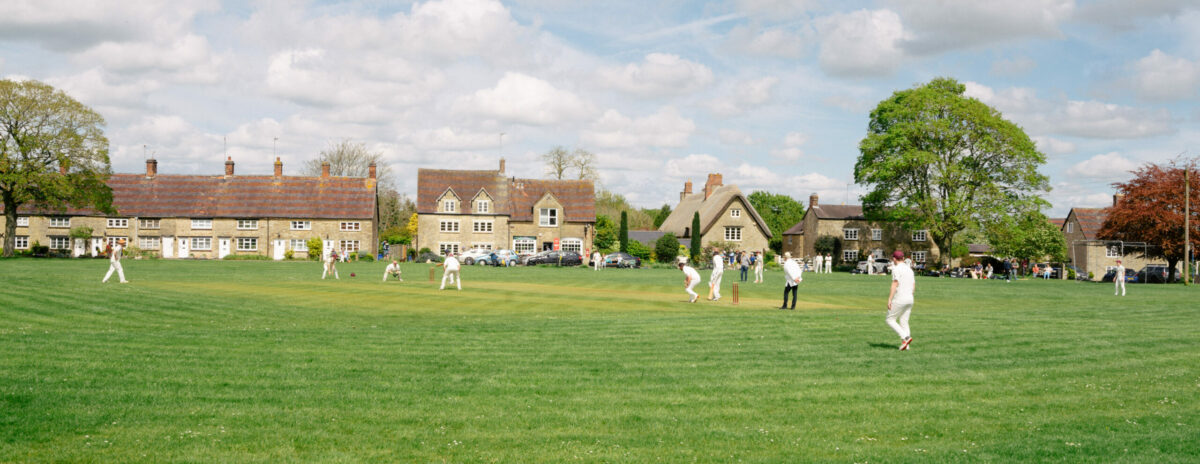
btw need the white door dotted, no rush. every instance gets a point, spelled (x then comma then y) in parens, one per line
(223, 251)
(97, 247)
(168, 247)
(183, 247)
(326, 248)
(280, 249)
(80, 248)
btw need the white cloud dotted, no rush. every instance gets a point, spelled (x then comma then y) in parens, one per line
(1123, 14)
(666, 128)
(791, 147)
(527, 100)
(67, 25)
(694, 166)
(782, 42)
(1018, 66)
(658, 75)
(735, 137)
(1079, 118)
(446, 138)
(940, 25)
(1052, 146)
(745, 95)
(1107, 166)
(1162, 77)
(861, 43)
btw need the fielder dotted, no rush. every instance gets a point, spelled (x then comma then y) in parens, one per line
(690, 279)
(452, 266)
(819, 263)
(114, 262)
(1118, 279)
(331, 266)
(758, 268)
(828, 264)
(714, 279)
(900, 300)
(792, 278)
(392, 270)
(596, 260)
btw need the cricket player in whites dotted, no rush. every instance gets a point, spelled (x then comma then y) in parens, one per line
(451, 272)
(1118, 280)
(900, 300)
(331, 266)
(596, 260)
(819, 263)
(714, 279)
(792, 274)
(392, 270)
(690, 279)
(114, 262)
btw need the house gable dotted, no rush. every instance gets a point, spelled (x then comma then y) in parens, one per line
(449, 195)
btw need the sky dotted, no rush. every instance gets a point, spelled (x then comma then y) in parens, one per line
(773, 94)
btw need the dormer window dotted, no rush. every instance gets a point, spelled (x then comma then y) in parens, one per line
(483, 206)
(449, 206)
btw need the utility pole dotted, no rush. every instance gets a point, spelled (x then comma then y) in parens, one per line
(1187, 224)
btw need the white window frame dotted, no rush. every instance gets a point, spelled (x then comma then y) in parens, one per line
(1070, 226)
(571, 244)
(247, 224)
(444, 247)
(876, 234)
(483, 207)
(150, 243)
(21, 242)
(60, 242)
(919, 256)
(350, 226)
(1112, 251)
(22, 221)
(525, 244)
(483, 227)
(548, 217)
(920, 235)
(301, 225)
(117, 223)
(149, 223)
(733, 234)
(349, 246)
(60, 221)
(483, 246)
(449, 225)
(241, 241)
(202, 224)
(194, 241)
(850, 256)
(449, 206)
(298, 244)
(849, 234)
(735, 212)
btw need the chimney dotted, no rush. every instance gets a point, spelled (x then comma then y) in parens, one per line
(1117, 198)
(812, 201)
(325, 169)
(278, 167)
(687, 190)
(371, 170)
(151, 168)
(714, 181)
(501, 166)
(228, 167)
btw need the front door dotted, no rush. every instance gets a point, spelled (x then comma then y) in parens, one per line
(326, 247)
(280, 249)
(96, 248)
(80, 248)
(183, 247)
(223, 249)
(168, 247)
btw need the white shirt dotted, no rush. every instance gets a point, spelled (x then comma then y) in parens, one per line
(904, 275)
(451, 263)
(1120, 273)
(718, 264)
(691, 274)
(596, 256)
(116, 254)
(394, 267)
(792, 272)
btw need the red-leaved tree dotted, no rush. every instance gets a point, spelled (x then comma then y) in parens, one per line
(1152, 211)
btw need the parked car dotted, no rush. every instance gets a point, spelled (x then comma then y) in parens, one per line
(622, 260)
(1156, 274)
(503, 257)
(880, 266)
(1130, 276)
(558, 258)
(469, 257)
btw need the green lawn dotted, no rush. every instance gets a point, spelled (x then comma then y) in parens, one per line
(264, 362)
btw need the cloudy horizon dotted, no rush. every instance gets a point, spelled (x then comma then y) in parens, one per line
(773, 94)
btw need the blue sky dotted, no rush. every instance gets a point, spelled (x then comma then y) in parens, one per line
(773, 94)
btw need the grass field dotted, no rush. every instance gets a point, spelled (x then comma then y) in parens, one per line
(263, 362)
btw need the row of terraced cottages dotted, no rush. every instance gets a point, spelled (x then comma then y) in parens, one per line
(190, 216)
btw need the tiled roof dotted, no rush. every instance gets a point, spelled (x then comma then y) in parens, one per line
(1090, 220)
(135, 195)
(1058, 222)
(976, 248)
(710, 209)
(511, 196)
(797, 229)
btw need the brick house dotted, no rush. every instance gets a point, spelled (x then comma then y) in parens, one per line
(462, 209)
(195, 216)
(859, 236)
(725, 216)
(1095, 257)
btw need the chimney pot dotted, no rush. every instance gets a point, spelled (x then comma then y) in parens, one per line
(687, 190)
(278, 167)
(812, 201)
(714, 181)
(229, 167)
(501, 165)
(325, 169)
(371, 170)
(151, 168)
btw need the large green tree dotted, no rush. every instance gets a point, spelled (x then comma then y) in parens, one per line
(1030, 236)
(936, 159)
(53, 153)
(779, 211)
(606, 234)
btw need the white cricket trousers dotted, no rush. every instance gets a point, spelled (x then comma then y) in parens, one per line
(1118, 284)
(692, 293)
(757, 274)
(329, 267)
(595, 265)
(114, 266)
(714, 281)
(897, 318)
(454, 279)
